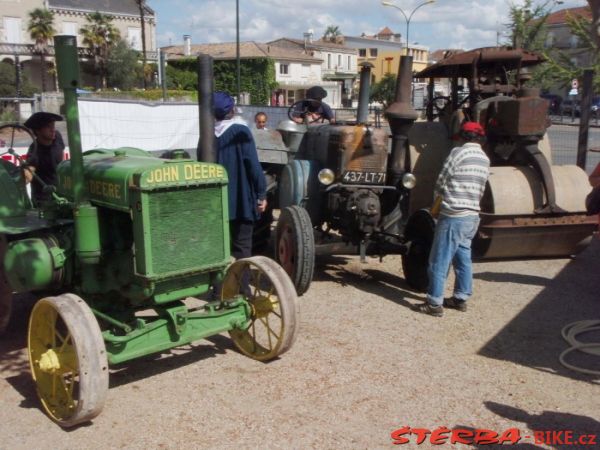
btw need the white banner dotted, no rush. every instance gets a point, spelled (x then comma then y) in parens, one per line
(111, 124)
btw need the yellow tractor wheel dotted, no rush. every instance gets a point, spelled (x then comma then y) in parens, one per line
(68, 359)
(273, 302)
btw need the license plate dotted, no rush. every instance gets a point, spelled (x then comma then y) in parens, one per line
(354, 177)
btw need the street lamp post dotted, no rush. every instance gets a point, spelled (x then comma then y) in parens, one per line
(407, 18)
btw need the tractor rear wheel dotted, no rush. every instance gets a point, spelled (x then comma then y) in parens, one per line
(295, 246)
(5, 290)
(419, 232)
(273, 304)
(68, 359)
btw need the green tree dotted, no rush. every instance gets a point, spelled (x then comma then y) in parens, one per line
(561, 66)
(100, 35)
(123, 70)
(384, 91)
(41, 29)
(332, 33)
(257, 77)
(528, 30)
(528, 25)
(8, 85)
(595, 29)
(181, 79)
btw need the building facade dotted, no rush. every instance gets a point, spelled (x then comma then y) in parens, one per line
(339, 65)
(383, 50)
(70, 16)
(295, 71)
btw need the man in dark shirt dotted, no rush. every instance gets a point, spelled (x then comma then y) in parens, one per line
(247, 188)
(44, 159)
(313, 108)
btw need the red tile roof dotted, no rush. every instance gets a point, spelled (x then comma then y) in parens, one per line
(249, 49)
(560, 17)
(385, 32)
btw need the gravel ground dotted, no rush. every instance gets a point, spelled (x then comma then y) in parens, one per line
(363, 366)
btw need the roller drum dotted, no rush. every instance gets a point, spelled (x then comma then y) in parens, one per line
(510, 228)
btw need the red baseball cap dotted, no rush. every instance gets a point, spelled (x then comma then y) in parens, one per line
(473, 127)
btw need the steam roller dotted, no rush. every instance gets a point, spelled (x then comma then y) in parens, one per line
(531, 208)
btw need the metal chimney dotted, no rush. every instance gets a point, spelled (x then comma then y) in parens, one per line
(187, 45)
(308, 36)
(206, 150)
(401, 116)
(363, 93)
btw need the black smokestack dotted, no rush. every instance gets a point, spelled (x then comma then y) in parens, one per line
(206, 151)
(363, 93)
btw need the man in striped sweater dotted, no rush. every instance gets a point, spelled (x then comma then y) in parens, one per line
(458, 190)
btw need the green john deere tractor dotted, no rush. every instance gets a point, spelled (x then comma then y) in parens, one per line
(126, 240)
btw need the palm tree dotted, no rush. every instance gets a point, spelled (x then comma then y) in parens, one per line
(331, 33)
(100, 35)
(41, 29)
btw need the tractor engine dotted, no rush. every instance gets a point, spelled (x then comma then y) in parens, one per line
(154, 229)
(357, 212)
(356, 158)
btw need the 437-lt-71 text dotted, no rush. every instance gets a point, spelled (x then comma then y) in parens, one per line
(352, 176)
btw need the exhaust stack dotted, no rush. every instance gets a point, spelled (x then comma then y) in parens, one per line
(363, 93)
(206, 151)
(401, 116)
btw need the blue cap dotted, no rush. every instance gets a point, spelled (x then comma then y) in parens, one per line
(223, 104)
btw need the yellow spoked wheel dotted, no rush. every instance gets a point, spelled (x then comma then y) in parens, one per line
(68, 359)
(273, 302)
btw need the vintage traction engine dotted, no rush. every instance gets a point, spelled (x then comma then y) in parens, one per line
(349, 189)
(127, 238)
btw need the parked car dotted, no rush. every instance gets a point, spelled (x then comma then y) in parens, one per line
(570, 107)
(555, 102)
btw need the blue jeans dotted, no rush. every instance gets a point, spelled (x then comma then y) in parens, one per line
(451, 244)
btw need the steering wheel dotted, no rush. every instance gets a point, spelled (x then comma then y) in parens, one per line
(299, 110)
(441, 102)
(17, 126)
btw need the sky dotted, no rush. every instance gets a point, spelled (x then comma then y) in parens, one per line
(444, 24)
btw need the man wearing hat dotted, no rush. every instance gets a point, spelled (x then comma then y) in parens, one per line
(313, 107)
(44, 159)
(458, 191)
(247, 188)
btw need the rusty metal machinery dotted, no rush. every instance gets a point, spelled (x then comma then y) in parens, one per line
(348, 188)
(342, 189)
(530, 208)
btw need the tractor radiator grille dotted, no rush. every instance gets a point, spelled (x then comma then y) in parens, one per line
(186, 229)
(366, 160)
(362, 152)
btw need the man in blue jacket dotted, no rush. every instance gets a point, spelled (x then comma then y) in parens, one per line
(247, 188)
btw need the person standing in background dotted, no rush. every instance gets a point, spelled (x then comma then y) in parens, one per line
(247, 187)
(260, 121)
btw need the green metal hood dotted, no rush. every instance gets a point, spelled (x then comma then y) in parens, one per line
(111, 175)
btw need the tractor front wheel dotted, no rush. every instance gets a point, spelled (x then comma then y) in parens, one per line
(273, 305)
(68, 359)
(295, 246)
